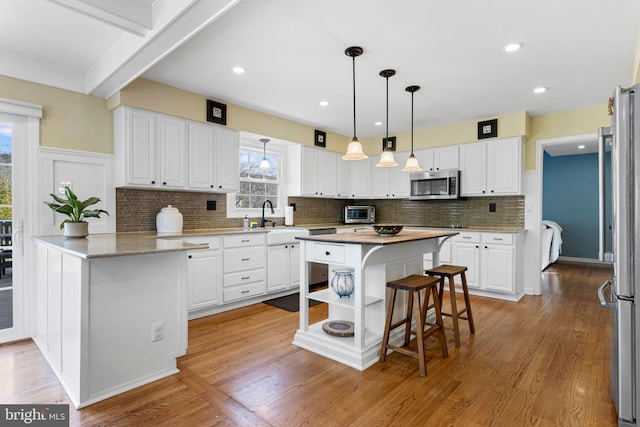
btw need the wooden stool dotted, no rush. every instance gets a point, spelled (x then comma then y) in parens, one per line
(449, 271)
(415, 284)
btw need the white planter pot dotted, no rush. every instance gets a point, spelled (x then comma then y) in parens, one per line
(75, 230)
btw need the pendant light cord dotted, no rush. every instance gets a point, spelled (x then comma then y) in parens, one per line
(354, 97)
(412, 123)
(386, 141)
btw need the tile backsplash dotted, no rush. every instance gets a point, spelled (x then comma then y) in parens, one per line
(136, 210)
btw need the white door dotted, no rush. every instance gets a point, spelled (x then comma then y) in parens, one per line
(19, 135)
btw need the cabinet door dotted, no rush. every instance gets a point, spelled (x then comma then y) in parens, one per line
(504, 172)
(468, 254)
(226, 163)
(326, 174)
(173, 152)
(360, 179)
(201, 155)
(277, 271)
(141, 168)
(497, 268)
(203, 278)
(294, 266)
(342, 177)
(446, 158)
(473, 169)
(379, 180)
(399, 186)
(309, 171)
(425, 158)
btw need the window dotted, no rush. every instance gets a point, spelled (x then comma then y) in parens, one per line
(5, 172)
(256, 184)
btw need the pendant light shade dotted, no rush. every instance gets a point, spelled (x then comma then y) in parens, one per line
(386, 159)
(412, 163)
(264, 163)
(354, 150)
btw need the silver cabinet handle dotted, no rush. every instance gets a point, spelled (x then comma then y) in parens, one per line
(246, 277)
(466, 237)
(245, 259)
(497, 238)
(603, 301)
(245, 292)
(244, 241)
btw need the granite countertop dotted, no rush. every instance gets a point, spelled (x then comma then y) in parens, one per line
(373, 238)
(417, 227)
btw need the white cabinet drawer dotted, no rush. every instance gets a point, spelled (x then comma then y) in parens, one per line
(497, 238)
(241, 259)
(242, 240)
(333, 254)
(242, 277)
(467, 236)
(244, 291)
(213, 242)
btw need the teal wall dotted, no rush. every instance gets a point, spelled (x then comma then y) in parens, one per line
(570, 198)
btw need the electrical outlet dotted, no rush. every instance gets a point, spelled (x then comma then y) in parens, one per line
(157, 331)
(211, 205)
(492, 207)
(293, 205)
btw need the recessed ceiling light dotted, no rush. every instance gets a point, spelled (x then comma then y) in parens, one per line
(324, 103)
(512, 47)
(238, 70)
(581, 147)
(378, 123)
(540, 90)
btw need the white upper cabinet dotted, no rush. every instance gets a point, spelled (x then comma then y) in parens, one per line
(342, 177)
(213, 158)
(439, 158)
(491, 167)
(155, 150)
(359, 179)
(311, 172)
(389, 183)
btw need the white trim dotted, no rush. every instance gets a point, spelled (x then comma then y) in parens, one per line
(540, 144)
(19, 108)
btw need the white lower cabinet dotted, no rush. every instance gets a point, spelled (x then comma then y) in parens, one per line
(493, 261)
(243, 266)
(283, 271)
(204, 273)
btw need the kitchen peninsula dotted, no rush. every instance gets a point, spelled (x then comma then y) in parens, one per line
(375, 260)
(112, 311)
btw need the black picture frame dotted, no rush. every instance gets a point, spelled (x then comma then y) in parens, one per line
(320, 139)
(216, 112)
(488, 129)
(389, 143)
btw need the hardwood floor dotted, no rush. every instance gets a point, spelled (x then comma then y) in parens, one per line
(543, 361)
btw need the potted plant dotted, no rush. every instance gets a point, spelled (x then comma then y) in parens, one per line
(76, 212)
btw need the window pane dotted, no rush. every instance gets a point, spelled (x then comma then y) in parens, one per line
(5, 145)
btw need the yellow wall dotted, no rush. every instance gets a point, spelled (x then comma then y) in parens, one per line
(80, 122)
(567, 123)
(70, 120)
(154, 96)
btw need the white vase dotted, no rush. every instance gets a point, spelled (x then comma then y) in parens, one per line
(75, 230)
(169, 220)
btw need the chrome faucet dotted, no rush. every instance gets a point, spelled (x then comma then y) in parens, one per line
(262, 221)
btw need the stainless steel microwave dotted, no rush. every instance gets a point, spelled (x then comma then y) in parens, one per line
(442, 184)
(359, 214)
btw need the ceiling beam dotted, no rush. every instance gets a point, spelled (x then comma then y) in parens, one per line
(132, 16)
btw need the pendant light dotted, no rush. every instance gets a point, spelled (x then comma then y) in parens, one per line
(264, 163)
(412, 163)
(386, 159)
(354, 150)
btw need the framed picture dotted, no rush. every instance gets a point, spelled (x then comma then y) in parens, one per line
(321, 139)
(216, 112)
(389, 143)
(488, 129)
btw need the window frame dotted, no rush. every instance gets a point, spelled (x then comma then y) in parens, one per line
(278, 151)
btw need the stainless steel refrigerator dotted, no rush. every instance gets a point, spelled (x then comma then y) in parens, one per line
(623, 138)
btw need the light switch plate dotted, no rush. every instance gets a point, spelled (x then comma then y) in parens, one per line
(63, 184)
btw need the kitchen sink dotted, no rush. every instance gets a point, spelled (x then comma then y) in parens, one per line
(282, 236)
